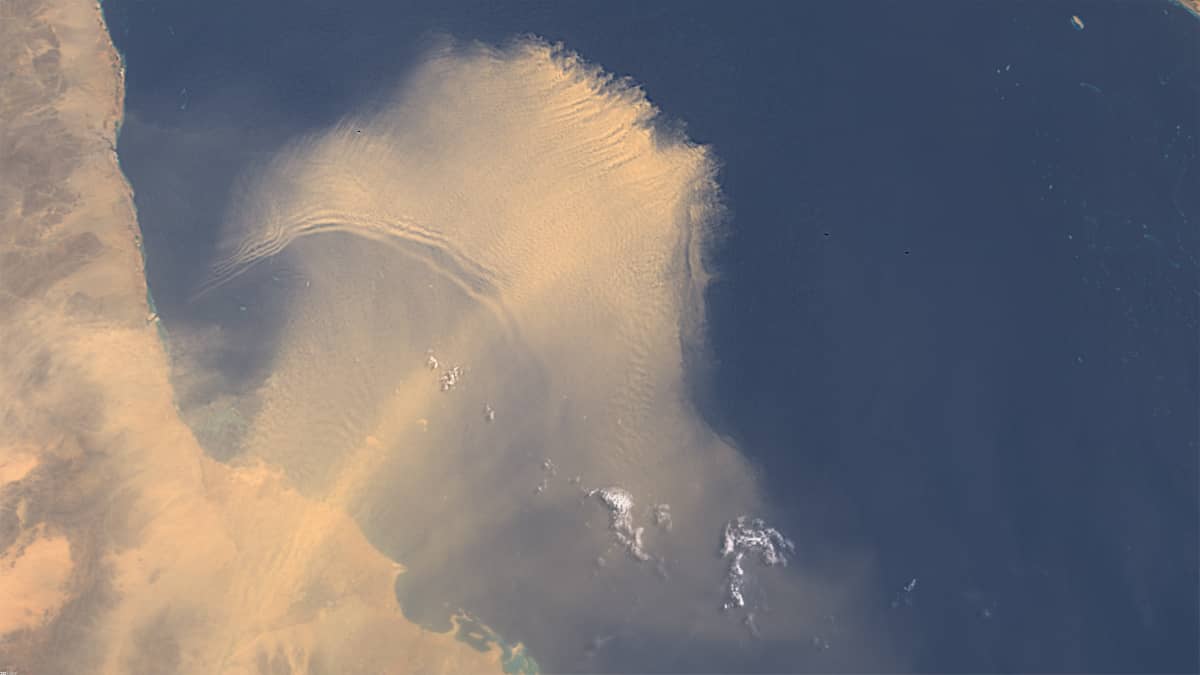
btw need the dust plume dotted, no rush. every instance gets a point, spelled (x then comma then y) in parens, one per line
(493, 278)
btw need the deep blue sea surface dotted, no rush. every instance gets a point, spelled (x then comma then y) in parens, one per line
(956, 317)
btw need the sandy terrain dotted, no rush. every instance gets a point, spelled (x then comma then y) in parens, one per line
(125, 549)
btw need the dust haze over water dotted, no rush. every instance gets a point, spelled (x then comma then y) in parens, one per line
(485, 293)
(955, 329)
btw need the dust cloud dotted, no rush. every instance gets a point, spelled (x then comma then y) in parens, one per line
(475, 432)
(493, 288)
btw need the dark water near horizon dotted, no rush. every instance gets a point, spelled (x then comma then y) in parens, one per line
(955, 324)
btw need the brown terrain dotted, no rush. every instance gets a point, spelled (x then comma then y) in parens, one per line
(123, 547)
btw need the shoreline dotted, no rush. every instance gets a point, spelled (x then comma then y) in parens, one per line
(136, 551)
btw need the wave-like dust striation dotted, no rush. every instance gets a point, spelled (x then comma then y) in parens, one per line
(525, 217)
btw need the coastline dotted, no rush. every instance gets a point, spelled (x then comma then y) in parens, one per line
(1192, 6)
(134, 551)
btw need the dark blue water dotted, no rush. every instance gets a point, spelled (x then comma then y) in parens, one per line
(956, 324)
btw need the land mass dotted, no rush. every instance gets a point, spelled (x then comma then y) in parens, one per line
(123, 547)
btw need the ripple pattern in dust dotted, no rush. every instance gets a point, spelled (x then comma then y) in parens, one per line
(522, 217)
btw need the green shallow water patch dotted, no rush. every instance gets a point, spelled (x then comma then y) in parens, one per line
(514, 658)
